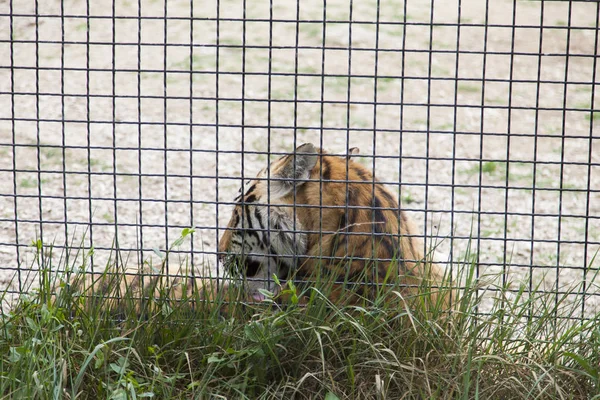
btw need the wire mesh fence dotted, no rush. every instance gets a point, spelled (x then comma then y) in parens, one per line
(124, 122)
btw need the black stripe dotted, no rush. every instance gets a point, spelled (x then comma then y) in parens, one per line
(397, 249)
(378, 217)
(252, 233)
(339, 240)
(259, 219)
(302, 274)
(283, 266)
(263, 233)
(251, 189)
(236, 218)
(389, 247)
(326, 168)
(248, 220)
(387, 196)
(363, 175)
(342, 223)
(353, 192)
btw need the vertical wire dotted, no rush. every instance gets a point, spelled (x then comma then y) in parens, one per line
(295, 124)
(63, 136)
(165, 134)
(88, 135)
(586, 266)
(455, 123)
(428, 127)
(217, 38)
(139, 135)
(348, 101)
(535, 149)
(114, 126)
(14, 143)
(401, 127)
(242, 132)
(321, 129)
(269, 121)
(373, 205)
(191, 111)
(37, 127)
(562, 156)
(481, 138)
(508, 133)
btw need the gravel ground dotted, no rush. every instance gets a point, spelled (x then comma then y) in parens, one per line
(453, 181)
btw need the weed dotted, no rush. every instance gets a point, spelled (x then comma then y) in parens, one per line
(495, 100)
(466, 88)
(445, 127)
(489, 167)
(51, 152)
(29, 183)
(407, 198)
(82, 27)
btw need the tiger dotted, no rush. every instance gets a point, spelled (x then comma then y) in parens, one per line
(311, 213)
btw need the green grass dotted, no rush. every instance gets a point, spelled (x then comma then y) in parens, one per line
(469, 88)
(82, 27)
(71, 345)
(519, 174)
(445, 127)
(593, 116)
(108, 217)
(51, 152)
(313, 30)
(495, 100)
(196, 62)
(407, 198)
(28, 183)
(487, 167)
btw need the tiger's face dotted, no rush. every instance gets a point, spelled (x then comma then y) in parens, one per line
(263, 237)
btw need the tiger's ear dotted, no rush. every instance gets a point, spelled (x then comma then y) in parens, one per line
(352, 151)
(293, 170)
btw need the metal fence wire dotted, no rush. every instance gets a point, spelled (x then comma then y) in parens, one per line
(124, 122)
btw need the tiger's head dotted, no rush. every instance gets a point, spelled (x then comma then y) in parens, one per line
(264, 236)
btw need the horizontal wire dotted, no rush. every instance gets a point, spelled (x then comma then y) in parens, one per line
(374, 234)
(440, 261)
(300, 47)
(239, 179)
(302, 101)
(281, 127)
(292, 74)
(295, 21)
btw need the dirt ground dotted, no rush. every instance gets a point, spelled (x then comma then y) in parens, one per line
(108, 138)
